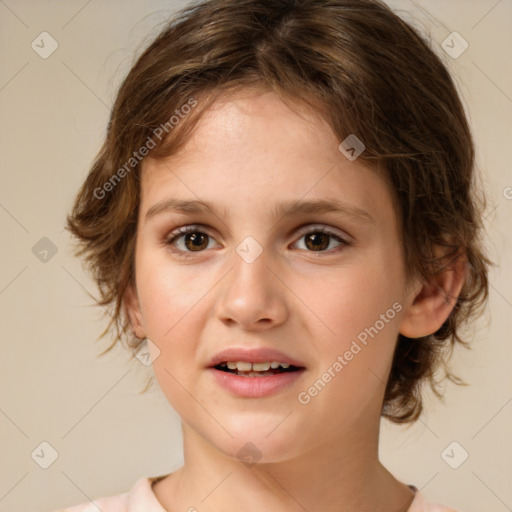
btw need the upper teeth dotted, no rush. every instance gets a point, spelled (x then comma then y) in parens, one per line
(244, 366)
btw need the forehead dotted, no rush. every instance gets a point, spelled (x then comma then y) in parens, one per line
(245, 120)
(251, 148)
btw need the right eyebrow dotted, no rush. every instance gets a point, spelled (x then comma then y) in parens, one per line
(182, 206)
(285, 209)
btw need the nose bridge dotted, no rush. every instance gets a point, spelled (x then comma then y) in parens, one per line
(251, 275)
(251, 292)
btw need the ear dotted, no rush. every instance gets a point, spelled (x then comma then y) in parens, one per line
(433, 301)
(132, 308)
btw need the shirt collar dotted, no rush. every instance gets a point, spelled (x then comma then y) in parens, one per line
(142, 497)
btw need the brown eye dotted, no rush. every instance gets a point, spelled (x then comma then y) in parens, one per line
(196, 241)
(189, 239)
(317, 241)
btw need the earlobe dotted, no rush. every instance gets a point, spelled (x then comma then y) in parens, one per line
(133, 311)
(432, 303)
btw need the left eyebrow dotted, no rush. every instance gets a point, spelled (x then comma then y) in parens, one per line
(285, 209)
(319, 206)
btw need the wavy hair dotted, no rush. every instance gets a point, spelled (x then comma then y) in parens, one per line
(367, 72)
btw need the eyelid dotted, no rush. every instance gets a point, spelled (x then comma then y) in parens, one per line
(189, 228)
(323, 228)
(300, 232)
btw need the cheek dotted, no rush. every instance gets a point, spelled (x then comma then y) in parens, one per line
(349, 300)
(167, 293)
(358, 311)
(172, 309)
(170, 304)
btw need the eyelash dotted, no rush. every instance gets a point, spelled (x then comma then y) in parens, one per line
(197, 228)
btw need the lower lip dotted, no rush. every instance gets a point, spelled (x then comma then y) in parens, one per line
(255, 387)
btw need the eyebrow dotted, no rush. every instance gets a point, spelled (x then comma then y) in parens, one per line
(285, 209)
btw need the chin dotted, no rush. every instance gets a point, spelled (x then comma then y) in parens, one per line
(255, 445)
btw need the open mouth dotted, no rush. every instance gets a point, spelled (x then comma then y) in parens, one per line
(245, 369)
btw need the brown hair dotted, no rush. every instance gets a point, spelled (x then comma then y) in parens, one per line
(369, 73)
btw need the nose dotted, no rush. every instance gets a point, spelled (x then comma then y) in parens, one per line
(252, 296)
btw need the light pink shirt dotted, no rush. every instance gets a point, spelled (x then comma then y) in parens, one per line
(142, 498)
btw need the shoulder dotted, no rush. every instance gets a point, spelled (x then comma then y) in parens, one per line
(141, 495)
(420, 504)
(117, 503)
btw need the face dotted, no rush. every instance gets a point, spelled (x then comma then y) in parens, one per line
(324, 287)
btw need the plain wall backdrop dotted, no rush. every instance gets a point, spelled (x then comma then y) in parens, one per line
(55, 389)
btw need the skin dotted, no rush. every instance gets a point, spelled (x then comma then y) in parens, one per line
(250, 152)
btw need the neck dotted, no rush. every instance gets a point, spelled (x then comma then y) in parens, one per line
(328, 477)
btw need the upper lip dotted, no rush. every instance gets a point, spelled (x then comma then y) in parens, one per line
(255, 355)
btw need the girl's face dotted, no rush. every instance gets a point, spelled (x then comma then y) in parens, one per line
(323, 286)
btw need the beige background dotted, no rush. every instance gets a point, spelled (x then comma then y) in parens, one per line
(54, 388)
